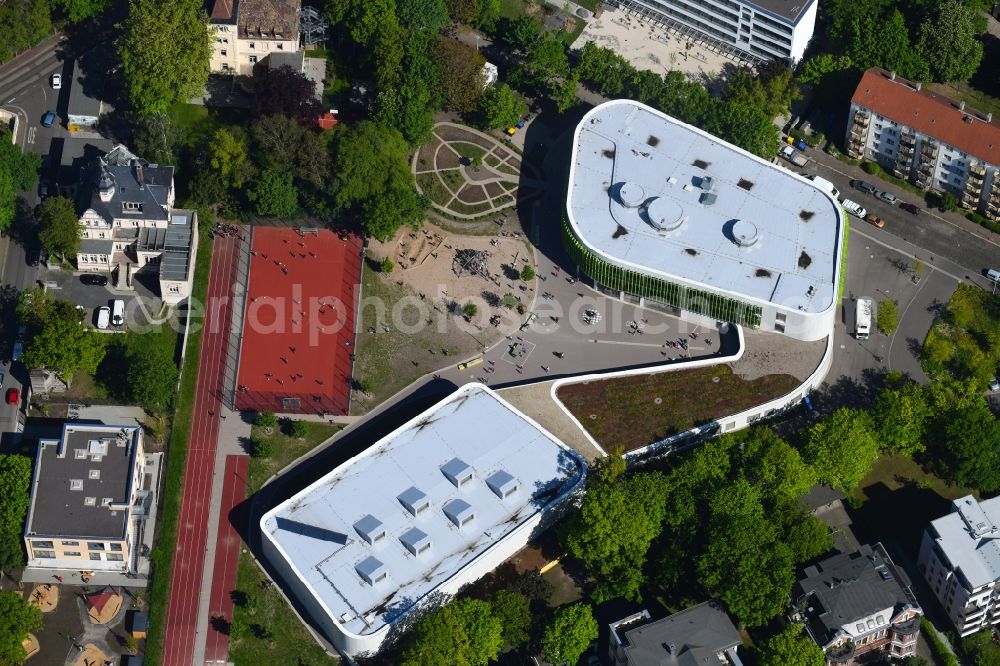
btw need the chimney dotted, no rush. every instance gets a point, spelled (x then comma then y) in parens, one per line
(892, 76)
(961, 105)
(138, 173)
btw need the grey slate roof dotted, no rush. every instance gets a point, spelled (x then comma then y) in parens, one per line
(131, 180)
(57, 509)
(821, 495)
(96, 246)
(80, 103)
(697, 635)
(851, 586)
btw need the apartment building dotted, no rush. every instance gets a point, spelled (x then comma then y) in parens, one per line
(960, 559)
(87, 500)
(859, 607)
(129, 225)
(933, 141)
(245, 32)
(702, 634)
(758, 31)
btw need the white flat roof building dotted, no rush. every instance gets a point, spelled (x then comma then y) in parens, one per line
(434, 505)
(668, 212)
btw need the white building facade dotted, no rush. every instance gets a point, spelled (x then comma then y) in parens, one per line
(934, 142)
(435, 505)
(245, 32)
(758, 31)
(960, 559)
(669, 216)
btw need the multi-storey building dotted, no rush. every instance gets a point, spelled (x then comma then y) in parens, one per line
(759, 31)
(670, 216)
(960, 558)
(245, 32)
(129, 224)
(87, 501)
(933, 141)
(859, 607)
(702, 634)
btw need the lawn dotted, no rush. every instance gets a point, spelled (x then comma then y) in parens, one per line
(469, 209)
(632, 412)
(470, 150)
(286, 449)
(511, 9)
(964, 92)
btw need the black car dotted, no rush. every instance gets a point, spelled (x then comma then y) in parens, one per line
(910, 208)
(864, 186)
(93, 280)
(32, 254)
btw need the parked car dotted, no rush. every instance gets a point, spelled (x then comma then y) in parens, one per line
(995, 384)
(118, 313)
(887, 197)
(13, 395)
(49, 119)
(103, 317)
(875, 219)
(863, 186)
(93, 280)
(992, 274)
(854, 208)
(56, 81)
(912, 209)
(18, 351)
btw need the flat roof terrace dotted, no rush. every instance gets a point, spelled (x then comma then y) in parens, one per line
(377, 534)
(654, 195)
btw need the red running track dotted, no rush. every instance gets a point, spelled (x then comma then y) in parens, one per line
(192, 530)
(227, 556)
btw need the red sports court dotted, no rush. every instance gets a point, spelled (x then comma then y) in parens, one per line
(299, 322)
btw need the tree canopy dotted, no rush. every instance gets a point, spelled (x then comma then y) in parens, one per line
(465, 632)
(569, 634)
(58, 226)
(77, 10)
(285, 91)
(25, 22)
(842, 448)
(152, 378)
(969, 447)
(165, 49)
(18, 171)
(229, 155)
(791, 647)
(462, 75)
(18, 618)
(948, 41)
(15, 487)
(274, 195)
(64, 346)
(502, 107)
(513, 610)
(429, 15)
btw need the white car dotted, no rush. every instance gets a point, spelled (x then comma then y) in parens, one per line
(56, 81)
(855, 209)
(103, 317)
(995, 384)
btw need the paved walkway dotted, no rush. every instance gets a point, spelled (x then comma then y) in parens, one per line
(183, 633)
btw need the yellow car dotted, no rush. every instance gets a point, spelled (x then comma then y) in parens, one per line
(511, 131)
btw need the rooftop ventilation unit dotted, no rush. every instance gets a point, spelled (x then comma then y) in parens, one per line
(370, 528)
(415, 540)
(707, 198)
(745, 233)
(459, 512)
(706, 183)
(414, 501)
(371, 570)
(665, 214)
(502, 484)
(457, 471)
(631, 194)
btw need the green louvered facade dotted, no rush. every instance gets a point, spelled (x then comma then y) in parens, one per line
(669, 293)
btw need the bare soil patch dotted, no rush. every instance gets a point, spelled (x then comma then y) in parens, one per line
(493, 189)
(446, 159)
(472, 194)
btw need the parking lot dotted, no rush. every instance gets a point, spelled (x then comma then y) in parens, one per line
(141, 305)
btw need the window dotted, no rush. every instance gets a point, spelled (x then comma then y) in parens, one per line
(94, 474)
(223, 53)
(115, 557)
(253, 60)
(116, 546)
(41, 544)
(131, 205)
(45, 555)
(225, 67)
(76, 484)
(71, 553)
(95, 545)
(252, 45)
(71, 543)
(95, 556)
(779, 327)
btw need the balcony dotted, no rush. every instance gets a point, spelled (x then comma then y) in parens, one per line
(907, 139)
(926, 169)
(905, 150)
(862, 119)
(842, 654)
(930, 150)
(978, 169)
(899, 172)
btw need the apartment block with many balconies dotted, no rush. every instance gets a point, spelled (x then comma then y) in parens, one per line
(859, 607)
(960, 558)
(933, 141)
(245, 32)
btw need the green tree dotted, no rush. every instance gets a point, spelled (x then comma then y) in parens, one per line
(288, 92)
(902, 415)
(386, 266)
(6, 198)
(791, 647)
(429, 15)
(77, 10)
(884, 41)
(814, 70)
(15, 488)
(25, 23)
(489, 14)
(948, 42)
(745, 561)
(157, 138)
(969, 449)
(164, 49)
(807, 536)
(464, 11)
(775, 467)
(18, 618)
(152, 377)
(564, 93)
(464, 632)
(299, 429)
(887, 318)
(385, 214)
(261, 447)
(749, 127)
(570, 633)
(612, 532)
(274, 195)
(842, 448)
(229, 155)
(23, 167)
(772, 91)
(527, 273)
(513, 609)
(519, 33)
(64, 346)
(408, 109)
(462, 75)
(547, 58)
(470, 310)
(502, 107)
(266, 420)
(371, 161)
(58, 226)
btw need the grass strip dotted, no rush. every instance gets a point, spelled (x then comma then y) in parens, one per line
(942, 654)
(843, 257)
(162, 556)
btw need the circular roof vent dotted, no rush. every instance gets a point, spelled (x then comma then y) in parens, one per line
(745, 233)
(631, 194)
(665, 214)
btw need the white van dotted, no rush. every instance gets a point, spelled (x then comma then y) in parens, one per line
(824, 184)
(118, 313)
(103, 317)
(993, 275)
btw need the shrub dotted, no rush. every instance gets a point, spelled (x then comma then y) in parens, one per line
(948, 201)
(261, 447)
(366, 386)
(387, 265)
(872, 168)
(887, 318)
(527, 273)
(941, 653)
(266, 420)
(300, 429)
(470, 310)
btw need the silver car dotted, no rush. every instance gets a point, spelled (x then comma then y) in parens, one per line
(887, 197)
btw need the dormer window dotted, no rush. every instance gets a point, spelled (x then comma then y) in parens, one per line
(132, 206)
